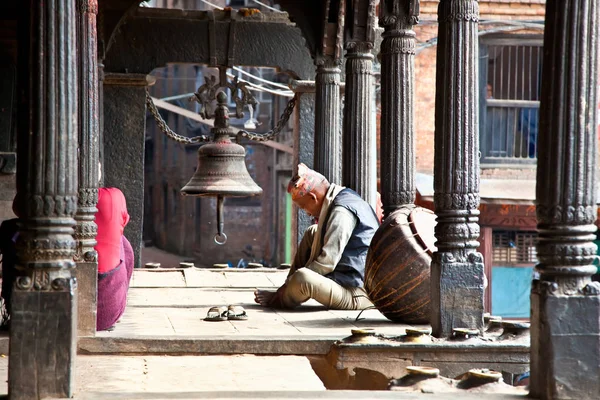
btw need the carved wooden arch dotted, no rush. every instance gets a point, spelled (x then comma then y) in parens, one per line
(150, 38)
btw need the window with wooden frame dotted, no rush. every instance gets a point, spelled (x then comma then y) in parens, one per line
(513, 247)
(510, 83)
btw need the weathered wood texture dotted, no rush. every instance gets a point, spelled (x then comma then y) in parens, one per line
(86, 229)
(359, 170)
(328, 138)
(86, 274)
(43, 344)
(457, 268)
(207, 37)
(565, 351)
(43, 321)
(397, 105)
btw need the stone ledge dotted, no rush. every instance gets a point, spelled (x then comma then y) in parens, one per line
(262, 345)
(390, 358)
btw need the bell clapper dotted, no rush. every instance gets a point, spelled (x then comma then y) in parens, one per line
(220, 223)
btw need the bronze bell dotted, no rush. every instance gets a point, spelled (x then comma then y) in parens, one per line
(221, 171)
(221, 168)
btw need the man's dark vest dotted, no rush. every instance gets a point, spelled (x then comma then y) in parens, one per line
(350, 270)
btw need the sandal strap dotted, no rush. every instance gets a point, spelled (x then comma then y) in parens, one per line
(219, 310)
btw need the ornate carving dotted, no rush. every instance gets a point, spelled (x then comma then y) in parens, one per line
(456, 231)
(456, 165)
(90, 256)
(557, 214)
(592, 289)
(544, 287)
(475, 257)
(358, 170)
(47, 189)
(444, 258)
(394, 14)
(567, 210)
(328, 76)
(88, 197)
(403, 43)
(41, 280)
(86, 230)
(87, 6)
(45, 280)
(58, 249)
(356, 47)
(398, 198)
(51, 206)
(459, 11)
(327, 62)
(457, 201)
(397, 104)
(24, 283)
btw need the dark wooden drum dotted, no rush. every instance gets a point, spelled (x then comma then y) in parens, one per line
(398, 265)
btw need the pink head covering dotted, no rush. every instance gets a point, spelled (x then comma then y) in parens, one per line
(304, 181)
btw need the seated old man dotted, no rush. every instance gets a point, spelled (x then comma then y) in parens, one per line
(329, 265)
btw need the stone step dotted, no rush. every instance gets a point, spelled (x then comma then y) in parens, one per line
(215, 377)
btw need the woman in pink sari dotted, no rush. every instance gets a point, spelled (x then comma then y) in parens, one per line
(115, 257)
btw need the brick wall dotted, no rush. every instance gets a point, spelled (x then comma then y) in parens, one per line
(424, 106)
(527, 173)
(496, 9)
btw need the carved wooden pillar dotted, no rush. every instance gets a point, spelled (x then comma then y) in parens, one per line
(43, 333)
(86, 229)
(359, 136)
(359, 168)
(565, 304)
(457, 268)
(397, 104)
(328, 138)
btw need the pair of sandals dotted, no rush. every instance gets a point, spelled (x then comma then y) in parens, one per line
(226, 313)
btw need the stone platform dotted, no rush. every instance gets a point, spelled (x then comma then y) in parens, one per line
(162, 348)
(166, 308)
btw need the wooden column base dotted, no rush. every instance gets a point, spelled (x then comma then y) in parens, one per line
(565, 345)
(87, 302)
(43, 340)
(456, 295)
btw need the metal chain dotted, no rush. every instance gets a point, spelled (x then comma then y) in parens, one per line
(283, 120)
(165, 128)
(260, 137)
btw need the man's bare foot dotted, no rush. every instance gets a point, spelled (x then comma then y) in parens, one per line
(264, 297)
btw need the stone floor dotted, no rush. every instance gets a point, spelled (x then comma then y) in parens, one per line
(163, 349)
(166, 308)
(215, 377)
